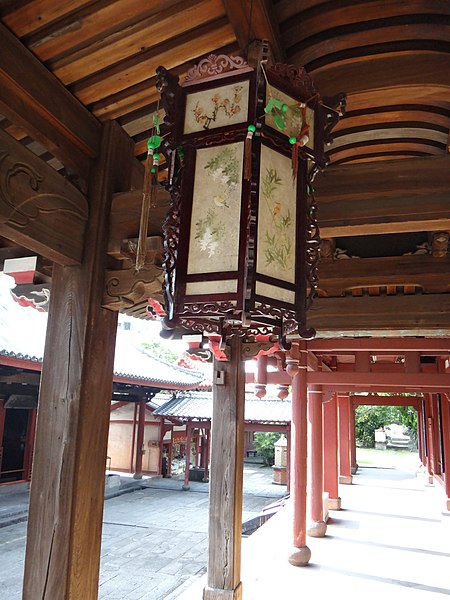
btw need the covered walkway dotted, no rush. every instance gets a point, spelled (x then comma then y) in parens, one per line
(391, 540)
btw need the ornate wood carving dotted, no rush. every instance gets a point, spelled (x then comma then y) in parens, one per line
(38, 207)
(297, 77)
(214, 65)
(126, 288)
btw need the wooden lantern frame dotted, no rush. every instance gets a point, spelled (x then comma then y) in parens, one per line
(242, 299)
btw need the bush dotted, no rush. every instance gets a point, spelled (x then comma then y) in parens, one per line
(369, 418)
(264, 444)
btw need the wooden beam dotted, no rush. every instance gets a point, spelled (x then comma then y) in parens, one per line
(422, 270)
(419, 315)
(390, 345)
(393, 197)
(67, 493)
(32, 97)
(255, 20)
(39, 209)
(405, 381)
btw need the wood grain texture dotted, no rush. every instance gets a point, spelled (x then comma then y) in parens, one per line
(33, 98)
(39, 209)
(66, 501)
(225, 499)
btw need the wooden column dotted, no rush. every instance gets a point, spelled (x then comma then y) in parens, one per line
(67, 489)
(29, 447)
(330, 452)
(140, 440)
(421, 433)
(352, 432)
(317, 527)
(2, 429)
(207, 442)
(429, 426)
(445, 400)
(225, 496)
(288, 460)
(186, 487)
(296, 367)
(345, 475)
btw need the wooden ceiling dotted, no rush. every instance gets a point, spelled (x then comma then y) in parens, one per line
(386, 192)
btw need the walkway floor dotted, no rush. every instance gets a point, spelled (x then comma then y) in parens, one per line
(391, 540)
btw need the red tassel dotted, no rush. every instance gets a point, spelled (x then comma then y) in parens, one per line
(294, 161)
(248, 153)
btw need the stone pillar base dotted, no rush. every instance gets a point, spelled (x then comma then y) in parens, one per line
(137, 476)
(300, 556)
(354, 469)
(185, 487)
(346, 479)
(334, 503)
(448, 503)
(317, 529)
(219, 594)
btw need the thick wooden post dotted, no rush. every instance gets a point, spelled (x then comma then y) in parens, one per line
(140, 440)
(330, 456)
(225, 496)
(317, 527)
(299, 448)
(345, 475)
(67, 489)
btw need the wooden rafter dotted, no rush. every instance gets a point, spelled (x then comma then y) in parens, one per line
(255, 21)
(33, 98)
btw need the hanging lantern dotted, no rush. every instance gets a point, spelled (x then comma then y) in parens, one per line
(241, 237)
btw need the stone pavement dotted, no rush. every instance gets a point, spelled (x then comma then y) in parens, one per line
(154, 539)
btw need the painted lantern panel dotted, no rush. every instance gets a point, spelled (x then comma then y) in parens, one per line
(276, 225)
(217, 107)
(216, 212)
(294, 120)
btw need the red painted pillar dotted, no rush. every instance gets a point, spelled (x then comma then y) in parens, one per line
(288, 460)
(353, 463)
(445, 403)
(140, 440)
(296, 367)
(345, 475)
(330, 452)
(429, 437)
(2, 429)
(29, 447)
(420, 434)
(317, 527)
(185, 487)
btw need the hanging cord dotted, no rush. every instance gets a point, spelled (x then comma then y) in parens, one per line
(150, 189)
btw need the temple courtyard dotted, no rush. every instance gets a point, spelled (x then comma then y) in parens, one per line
(391, 539)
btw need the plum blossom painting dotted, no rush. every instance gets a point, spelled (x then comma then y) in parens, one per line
(276, 217)
(216, 207)
(218, 107)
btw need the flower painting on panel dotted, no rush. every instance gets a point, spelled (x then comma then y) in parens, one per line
(209, 109)
(276, 217)
(290, 123)
(214, 243)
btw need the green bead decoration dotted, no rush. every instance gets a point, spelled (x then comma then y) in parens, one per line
(284, 108)
(154, 142)
(156, 156)
(153, 170)
(292, 140)
(251, 128)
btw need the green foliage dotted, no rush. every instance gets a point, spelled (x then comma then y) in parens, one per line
(264, 444)
(369, 418)
(157, 348)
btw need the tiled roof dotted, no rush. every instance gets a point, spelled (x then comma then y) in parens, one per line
(22, 336)
(199, 406)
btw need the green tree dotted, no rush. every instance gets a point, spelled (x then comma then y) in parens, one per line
(159, 349)
(369, 418)
(264, 444)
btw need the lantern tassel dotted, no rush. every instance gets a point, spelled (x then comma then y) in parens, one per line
(141, 251)
(248, 153)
